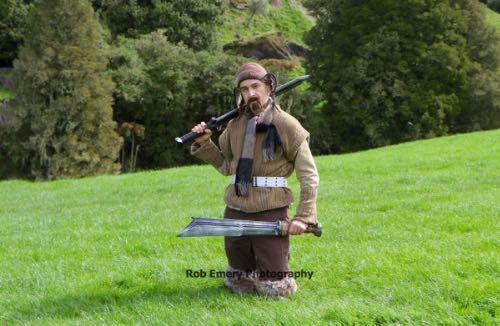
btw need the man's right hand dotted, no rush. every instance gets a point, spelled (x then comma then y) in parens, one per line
(204, 133)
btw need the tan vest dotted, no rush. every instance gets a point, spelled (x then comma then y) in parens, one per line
(292, 135)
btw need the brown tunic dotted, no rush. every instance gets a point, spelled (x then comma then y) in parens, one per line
(294, 153)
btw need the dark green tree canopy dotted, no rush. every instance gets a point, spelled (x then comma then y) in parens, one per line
(168, 88)
(493, 5)
(191, 22)
(13, 15)
(64, 125)
(392, 70)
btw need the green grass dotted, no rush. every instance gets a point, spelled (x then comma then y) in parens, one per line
(287, 19)
(493, 18)
(411, 236)
(5, 94)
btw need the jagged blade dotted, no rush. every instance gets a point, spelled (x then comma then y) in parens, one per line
(205, 227)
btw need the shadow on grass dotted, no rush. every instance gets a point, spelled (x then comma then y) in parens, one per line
(106, 300)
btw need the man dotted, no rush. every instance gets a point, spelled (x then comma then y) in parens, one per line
(261, 147)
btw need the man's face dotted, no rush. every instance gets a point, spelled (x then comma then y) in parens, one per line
(254, 90)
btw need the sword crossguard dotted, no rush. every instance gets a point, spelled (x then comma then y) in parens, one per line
(314, 229)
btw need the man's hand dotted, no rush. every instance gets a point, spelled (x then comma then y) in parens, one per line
(204, 133)
(296, 227)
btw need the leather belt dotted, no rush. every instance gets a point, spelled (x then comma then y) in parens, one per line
(270, 182)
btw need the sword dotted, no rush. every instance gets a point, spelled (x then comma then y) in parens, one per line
(204, 227)
(214, 122)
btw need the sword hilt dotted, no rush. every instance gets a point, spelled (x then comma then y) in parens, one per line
(314, 229)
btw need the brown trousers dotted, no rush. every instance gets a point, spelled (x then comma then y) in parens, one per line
(266, 255)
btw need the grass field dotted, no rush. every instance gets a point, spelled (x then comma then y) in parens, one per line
(411, 236)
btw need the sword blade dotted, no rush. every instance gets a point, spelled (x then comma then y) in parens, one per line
(204, 227)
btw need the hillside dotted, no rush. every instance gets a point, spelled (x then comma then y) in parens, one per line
(288, 19)
(493, 18)
(411, 236)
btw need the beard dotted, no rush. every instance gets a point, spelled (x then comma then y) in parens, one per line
(255, 106)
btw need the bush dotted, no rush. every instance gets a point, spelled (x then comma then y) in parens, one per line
(398, 71)
(494, 5)
(168, 88)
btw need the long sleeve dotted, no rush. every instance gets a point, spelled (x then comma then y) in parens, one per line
(306, 172)
(210, 153)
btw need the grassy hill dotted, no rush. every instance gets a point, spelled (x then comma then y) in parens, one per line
(288, 19)
(411, 236)
(493, 18)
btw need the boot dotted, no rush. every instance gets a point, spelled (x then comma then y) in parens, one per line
(244, 284)
(277, 289)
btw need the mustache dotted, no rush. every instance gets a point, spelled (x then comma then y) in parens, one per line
(255, 107)
(253, 99)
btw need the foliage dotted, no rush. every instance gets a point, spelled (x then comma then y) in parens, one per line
(63, 123)
(392, 71)
(481, 107)
(12, 28)
(5, 94)
(130, 131)
(304, 104)
(410, 237)
(191, 22)
(168, 88)
(493, 5)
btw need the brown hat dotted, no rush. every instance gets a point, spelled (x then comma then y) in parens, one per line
(250, 70)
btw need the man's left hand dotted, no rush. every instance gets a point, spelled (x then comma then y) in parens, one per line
(296, 227)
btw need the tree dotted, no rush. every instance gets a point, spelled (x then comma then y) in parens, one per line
(131, 131)
(389, 71)
(481, 106)
(191, 22)
(63, 98)
(12, 28)
(167, 88)
(493, 5)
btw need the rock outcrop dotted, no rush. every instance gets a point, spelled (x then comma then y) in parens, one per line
(272, 46)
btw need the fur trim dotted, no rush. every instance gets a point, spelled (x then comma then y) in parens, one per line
(277, 289)
(243, 284)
